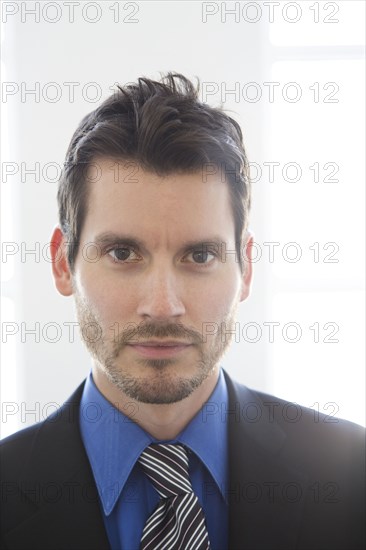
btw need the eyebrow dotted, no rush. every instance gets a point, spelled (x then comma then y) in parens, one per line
(109, 238)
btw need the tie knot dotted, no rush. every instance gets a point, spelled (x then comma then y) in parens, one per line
(167, 468)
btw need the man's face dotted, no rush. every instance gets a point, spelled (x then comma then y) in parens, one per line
(154, 289)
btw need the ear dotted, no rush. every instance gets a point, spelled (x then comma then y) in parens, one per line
(247, 266)
(60, 265)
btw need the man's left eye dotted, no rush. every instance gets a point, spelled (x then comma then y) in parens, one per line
(201, 256)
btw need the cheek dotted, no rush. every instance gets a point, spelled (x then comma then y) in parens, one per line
(217, 301)
(109, 302)
(116, 305)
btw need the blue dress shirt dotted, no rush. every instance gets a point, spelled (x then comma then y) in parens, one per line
(114, 442)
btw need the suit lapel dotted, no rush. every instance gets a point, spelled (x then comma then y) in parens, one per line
(266, 496)
(60, 489)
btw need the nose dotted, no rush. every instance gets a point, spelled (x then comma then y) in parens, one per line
(160, 298)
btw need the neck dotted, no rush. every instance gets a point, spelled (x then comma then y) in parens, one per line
(160, 421)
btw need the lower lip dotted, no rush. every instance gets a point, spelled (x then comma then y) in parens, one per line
(159, 351)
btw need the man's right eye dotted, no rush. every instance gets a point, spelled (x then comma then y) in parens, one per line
(123, 254)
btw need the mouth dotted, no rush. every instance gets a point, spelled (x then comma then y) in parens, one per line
(159, 349)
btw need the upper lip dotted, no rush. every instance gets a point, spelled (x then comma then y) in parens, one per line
(165, 343)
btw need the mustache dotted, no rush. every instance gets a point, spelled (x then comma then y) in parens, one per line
(144, 331)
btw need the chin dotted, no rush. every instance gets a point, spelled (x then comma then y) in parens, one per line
(162, 386)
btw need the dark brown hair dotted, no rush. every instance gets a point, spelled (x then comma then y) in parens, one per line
(165, 129)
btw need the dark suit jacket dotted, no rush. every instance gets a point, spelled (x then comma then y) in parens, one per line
(296, 480)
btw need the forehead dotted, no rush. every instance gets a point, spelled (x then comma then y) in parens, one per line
(124, 197)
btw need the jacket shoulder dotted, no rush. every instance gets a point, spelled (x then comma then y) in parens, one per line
(302, 435)
(16, 448)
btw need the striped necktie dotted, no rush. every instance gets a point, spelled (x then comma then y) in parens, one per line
(178, 522)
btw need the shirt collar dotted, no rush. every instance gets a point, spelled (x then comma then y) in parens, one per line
(114, 442)
(206, 434)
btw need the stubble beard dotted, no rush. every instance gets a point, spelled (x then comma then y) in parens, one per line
(164, 386)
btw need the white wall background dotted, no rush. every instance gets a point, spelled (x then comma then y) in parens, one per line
(292, 74)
